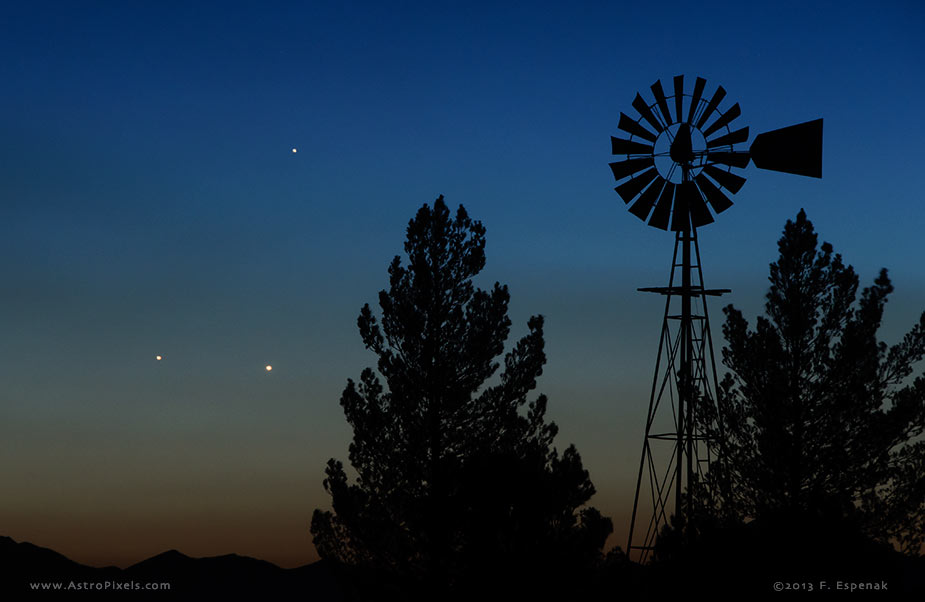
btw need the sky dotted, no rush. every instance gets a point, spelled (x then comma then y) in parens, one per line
(151, 204)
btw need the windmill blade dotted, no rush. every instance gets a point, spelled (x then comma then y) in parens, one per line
(629, 147)
(643, 204)
(629, 189)
(728, 180)
(661, 100)
(621, 169)
(662, 211)
(733, 112)
(679, 96)
(729, 139)
(700, 215)
(640, 105)
(719, 201)
(796, 149)
(714, 102)
(695, 100)
(731, 158)
(630, 126)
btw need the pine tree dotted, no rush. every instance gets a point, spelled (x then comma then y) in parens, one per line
(456, 476)
(821, 419)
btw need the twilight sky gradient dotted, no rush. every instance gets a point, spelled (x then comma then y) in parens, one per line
(150, 204)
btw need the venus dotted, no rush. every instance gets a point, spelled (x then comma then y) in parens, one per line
(269, 367)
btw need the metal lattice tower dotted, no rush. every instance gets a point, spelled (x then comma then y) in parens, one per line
(673, 176)
(676, 452)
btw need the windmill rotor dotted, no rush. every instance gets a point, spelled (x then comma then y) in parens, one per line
(678, 166)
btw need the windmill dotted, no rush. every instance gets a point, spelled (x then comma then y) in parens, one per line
(680, 157)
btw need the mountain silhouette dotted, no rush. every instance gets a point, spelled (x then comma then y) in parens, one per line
(28, 569)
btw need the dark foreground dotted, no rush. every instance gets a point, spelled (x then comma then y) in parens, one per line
(732, 563)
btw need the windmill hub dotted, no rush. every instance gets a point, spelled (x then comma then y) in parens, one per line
(682, 150)
(670, 154)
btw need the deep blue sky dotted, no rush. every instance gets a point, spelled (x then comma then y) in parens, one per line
(150, 204)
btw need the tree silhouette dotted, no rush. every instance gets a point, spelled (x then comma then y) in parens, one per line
(820, 418)
(454, 480)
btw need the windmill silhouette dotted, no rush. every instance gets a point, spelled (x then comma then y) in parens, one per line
(679, 159)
